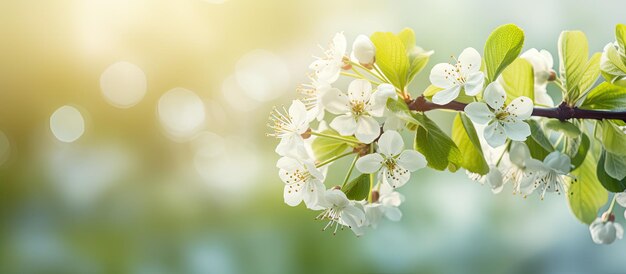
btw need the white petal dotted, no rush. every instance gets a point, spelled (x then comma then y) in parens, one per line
(313, 193)
(542, 97)
(521, 108)
(353, 217)
(369, 163)
(411, 160)
(344, 124)
(289, 145)
(479, 112)
(447, 95)
(495, 95)
(474, 83)
(494, 134)
(363, 49)
(494, 179)
(547, 57)
(621, 198)
(289, 164)
(292, 194)
(336, 198)
(339, 45)
(335, 101)
(367, 129)
(390, 143)
(329, 71)
(517, 130)
(619, 231)
(558, 161)
(443, 75)
(396, 178)
(519, 153)
(359, 90)
(470, 61)
(393, 213)
(298, 112)
(390, 197)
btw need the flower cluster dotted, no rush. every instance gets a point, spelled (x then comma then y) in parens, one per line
(502, 135)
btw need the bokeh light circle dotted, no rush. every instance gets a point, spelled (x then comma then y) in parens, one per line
(123, 84)
(67, 124)
(263, 75)
(181, 112)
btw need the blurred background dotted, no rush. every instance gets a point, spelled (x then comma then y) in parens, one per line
(132, 140)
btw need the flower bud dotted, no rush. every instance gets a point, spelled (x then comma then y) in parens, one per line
(363, 50)
(605, 232)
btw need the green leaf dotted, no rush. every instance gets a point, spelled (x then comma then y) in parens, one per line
(620, 35)
(502, 47)
(418, 57)
(613, 65)
(565, 127)
(391, 57)
(613, 138)
(407, 36)
(326, 148)
(435, 145)
(586, 195)
(518, 79)
(609, 183)
(591, 72)
(615, 166)
(401, 110)
(573, 55)
(358, 189)
(605, 96)
(466, 139)
(538, 143)
(581, 152)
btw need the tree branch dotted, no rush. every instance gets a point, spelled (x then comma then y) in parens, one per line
(562, 112)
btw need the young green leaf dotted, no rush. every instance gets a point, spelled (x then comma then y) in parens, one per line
(613, 65)
(609, 183)
(466, 139)
(591, 72)
(358, 189)
(573, 55)
(586, 194)
(440, 151)
(605, 96)
(620, 35)
(401, 110)
(502, 47)
(615, 165)
(518, 80)
(613, 138)
(391, 57)
(581, 152)
(537, 142)
(326, 148)
(565, 127)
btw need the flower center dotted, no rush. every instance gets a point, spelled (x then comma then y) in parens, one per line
(501, 115)
(281, 123)
(390, 164)
(358, 107)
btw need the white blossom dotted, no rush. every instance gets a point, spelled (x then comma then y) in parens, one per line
(522, 170)
(386, 206)
(289, 126)
(328, 68)
(502, 120)
(356, 109)
(542, 63)
(552, 174)
(493, 178)
(363, 50)
(303, 182)
(392, 162)
(605, 231)
(464, 74)
(341, 212)
(313, 93)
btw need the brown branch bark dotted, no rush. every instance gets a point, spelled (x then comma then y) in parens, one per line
(563, 112)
